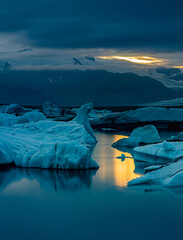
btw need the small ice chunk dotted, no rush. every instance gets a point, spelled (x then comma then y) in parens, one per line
(168, 146)
(178, 137)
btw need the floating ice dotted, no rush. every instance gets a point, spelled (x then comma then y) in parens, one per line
(10, 119)
(48, 144)
(170, 175)
(146, 114)
(146, 135)
(179, 137)
(168, 146)
(82, 118)
(51, 110)
(14, 109)
(159, 153)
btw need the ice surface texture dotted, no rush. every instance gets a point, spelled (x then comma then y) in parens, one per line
(147, 134)
(170, 175)
(159, 153)
(33, 141)
(146, 114)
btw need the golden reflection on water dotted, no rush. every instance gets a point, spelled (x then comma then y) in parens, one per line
(113, 169)
(123, 170)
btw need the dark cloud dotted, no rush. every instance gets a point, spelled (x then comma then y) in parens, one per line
(132, 24)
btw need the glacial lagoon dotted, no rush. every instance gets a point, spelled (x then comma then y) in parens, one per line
(93, 204)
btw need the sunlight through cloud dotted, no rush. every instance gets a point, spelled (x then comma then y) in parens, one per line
(138, 60)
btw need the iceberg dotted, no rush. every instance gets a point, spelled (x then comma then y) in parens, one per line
(127, 142)
(98, 113)
(141, 115)
(82, 118)
(141, 135)
(149, 114)
(14, 109)
(159, 153)
(170, 175)
(33, 141)
(51, 110)
(178, 137)
(10, 119)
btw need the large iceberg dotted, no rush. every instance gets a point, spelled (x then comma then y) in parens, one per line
(144, 135)
(159, 153)
(170, 175)
(28, 141)
(140, 115)
(149, 114)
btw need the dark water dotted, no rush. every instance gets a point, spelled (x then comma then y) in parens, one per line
(41, 204)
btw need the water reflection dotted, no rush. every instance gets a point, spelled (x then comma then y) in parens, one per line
(156, 189)
(48, 180)
(123, 170)
(113, 170)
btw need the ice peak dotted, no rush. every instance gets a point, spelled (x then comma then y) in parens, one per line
(82, 118)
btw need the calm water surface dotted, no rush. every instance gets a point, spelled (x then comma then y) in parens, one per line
(41, 204)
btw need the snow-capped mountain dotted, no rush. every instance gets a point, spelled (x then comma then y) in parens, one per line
(170, 77)
(86, 61)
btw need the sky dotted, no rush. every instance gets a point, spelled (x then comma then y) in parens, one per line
(115, 32)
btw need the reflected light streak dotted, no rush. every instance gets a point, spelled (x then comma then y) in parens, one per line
(112, 169)
(139, 59)
(123, 170)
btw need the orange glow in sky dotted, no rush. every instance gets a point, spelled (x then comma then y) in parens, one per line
(178, 66)
(138, 59)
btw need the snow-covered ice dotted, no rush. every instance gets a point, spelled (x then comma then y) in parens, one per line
(33, 141)
(51, 110)
(159, 153)
(146, 114)
(14, 109)
(178, 137)
(170, 175)
(10, 119)
(146, 135)
(127, 142)
(152, 114)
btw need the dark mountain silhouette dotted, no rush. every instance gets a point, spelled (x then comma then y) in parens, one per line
(73, 88)
(6, 67)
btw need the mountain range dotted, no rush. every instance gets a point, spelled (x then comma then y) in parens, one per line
(75, 87)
